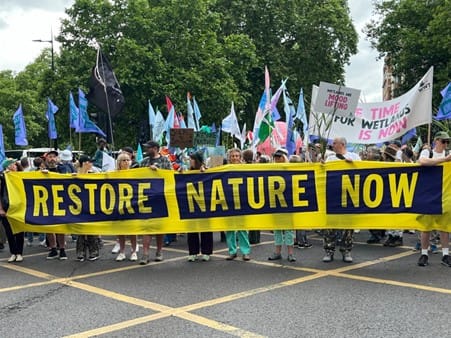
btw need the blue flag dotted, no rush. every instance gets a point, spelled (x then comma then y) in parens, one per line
(50, 114)
(2, 145)
(444, 111)
(290, 114)
(300, 113)
(73, 113)
(197, 114)
(85, 125)
(152, 115)
(139, 154)
(407, 136)
(20, 131)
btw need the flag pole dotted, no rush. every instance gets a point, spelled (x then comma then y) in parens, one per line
(107, 102)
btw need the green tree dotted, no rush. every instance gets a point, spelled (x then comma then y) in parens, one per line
(414, 35)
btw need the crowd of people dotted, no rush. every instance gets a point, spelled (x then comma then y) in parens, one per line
(200, 245)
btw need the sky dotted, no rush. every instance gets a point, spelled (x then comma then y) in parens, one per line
(22, 21)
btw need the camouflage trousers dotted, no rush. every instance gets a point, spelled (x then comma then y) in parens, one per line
(333, 237)
(87, 243)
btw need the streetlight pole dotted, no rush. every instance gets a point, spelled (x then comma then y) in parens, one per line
(53, 69)
(51, 44)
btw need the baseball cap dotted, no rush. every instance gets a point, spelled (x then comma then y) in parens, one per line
(7, 162)
(281, 152)
(151, 144)
(443, 135)
(84, 158)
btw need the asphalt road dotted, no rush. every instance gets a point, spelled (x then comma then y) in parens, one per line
(383, 293)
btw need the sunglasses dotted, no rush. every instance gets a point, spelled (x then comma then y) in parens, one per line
(444, 141)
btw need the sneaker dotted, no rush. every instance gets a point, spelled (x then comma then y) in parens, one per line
(29, 243)
(389, 240)
(246, 258)
(53, 254)
(116, 248)
(19, 258)
(423, 261)
(291, 258)
(93, 257)
(307, 245)
(192, 258)
(347, 258)
(121, 257)
(446, 261)
(231, 257)
(144, 260)
(12, 258)
(396, 241)
(206, 258)
(329, 257)
(81, 258)
(434, 249)
(134, 257)
(274, 257)
(43, 243)
(158, 257)
(63, 255)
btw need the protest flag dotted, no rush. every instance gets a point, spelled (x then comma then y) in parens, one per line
(290, 114)
(190, 113)
(230, 124)
(197, 114)
(444, 110)
(50, 115)
(104, 90)
(20, 131)
(74, 118)
(139, 154)
(85, 125)
(152, 115)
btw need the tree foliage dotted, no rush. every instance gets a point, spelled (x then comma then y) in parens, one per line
(414, 35)
(215, 49)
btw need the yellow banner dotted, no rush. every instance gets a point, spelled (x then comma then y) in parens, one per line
(340, 195)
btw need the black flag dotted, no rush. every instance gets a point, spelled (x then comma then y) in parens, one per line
(104, 90)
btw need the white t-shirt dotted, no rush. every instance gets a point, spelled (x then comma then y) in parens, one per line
(348, 155)
(425, 154)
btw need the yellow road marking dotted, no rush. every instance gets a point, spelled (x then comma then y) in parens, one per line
(184, 311)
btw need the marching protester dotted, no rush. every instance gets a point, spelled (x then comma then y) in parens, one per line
(427, 157)
(204, 244)
(123, 163)
(15, 241)
(330, 236)
(153, 160)
(283, 236)
(54, 240)
(86, 243)
(234, 157)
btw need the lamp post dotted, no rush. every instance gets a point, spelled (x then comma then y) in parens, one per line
(51, 44)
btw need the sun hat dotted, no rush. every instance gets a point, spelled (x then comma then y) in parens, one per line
(66, 155)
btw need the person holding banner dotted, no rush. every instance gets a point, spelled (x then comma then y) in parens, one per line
(330, 236)
(283, 236)
(234, 157)
(89, 243)
(154, 160)
(15, 241)
(427, 157)
(203, 245)
(123, 163)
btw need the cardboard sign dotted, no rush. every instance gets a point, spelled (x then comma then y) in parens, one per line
(182, 137)
(204, 139)
(337, 100)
